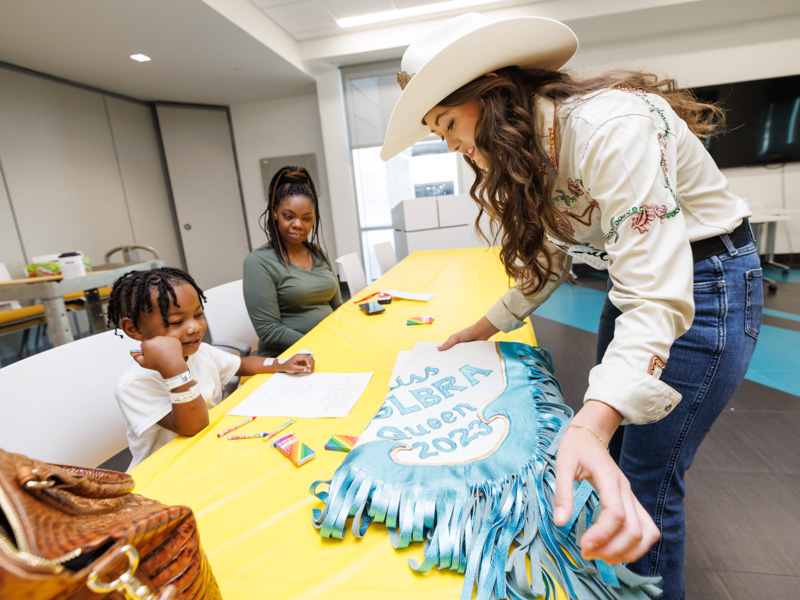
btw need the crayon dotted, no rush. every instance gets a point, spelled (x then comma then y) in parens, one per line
(232, 427)
(246, 436)
(278, 430)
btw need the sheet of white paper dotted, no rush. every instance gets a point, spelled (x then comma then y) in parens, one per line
(402, 355)
(308, 396)
(420, 297)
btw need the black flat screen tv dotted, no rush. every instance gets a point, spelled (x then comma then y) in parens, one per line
(763, 121)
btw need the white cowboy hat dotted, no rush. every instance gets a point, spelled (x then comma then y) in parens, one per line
(463, 49)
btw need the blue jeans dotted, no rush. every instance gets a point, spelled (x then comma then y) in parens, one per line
(705, 365)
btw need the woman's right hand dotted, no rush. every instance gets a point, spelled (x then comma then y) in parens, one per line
(624, 531)
(482, 330)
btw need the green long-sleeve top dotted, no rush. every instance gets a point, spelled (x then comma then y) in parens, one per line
(285, 304)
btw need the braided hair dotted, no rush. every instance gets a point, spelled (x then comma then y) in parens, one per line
(290, 181)
(130, 296)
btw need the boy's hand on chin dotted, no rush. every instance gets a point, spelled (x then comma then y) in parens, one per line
(163, 354)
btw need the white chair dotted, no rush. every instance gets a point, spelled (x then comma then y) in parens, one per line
(59, 405)
(228, 321)
(384, 252)
(350, 266)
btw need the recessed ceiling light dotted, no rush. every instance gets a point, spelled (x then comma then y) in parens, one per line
(140, 57)
(414, 11)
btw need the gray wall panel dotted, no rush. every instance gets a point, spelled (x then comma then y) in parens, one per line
(143, 180)
(60, 167)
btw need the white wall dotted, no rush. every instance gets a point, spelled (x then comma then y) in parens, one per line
(81, 171)
(279, 128)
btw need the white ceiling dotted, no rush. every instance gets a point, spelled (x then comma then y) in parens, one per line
(306, 19)
(233, 51)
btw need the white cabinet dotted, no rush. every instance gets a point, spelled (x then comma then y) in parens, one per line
(435, 223)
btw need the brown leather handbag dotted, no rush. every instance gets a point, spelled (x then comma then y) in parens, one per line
(75, 533)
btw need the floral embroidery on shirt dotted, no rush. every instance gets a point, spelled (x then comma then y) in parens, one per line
(593, 205)
(574, 187)
(643, 218)
(662, 146)
(563, 225)
(656, 363)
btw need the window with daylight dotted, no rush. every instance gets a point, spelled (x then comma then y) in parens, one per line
(425, 169)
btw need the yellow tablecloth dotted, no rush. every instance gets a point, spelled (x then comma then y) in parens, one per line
(254, 506)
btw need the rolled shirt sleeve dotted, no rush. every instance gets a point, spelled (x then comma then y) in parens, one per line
(509, 312)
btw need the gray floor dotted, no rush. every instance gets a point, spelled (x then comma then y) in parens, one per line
(743, 491)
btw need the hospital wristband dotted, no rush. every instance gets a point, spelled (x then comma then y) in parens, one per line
(184, 397)
(178, 380)
(271, 361)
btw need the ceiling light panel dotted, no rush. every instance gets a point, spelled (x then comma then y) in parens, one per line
(302, 16)
(428, 8)
(354, 8)
(399, 4)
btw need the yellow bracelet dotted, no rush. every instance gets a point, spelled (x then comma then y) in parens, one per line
(599, 439)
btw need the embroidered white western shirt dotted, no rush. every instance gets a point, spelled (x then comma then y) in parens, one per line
(634, 187)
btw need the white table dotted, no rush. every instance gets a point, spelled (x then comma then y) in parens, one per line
(50, 292)
(764, 225)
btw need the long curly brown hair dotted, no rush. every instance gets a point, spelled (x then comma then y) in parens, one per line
(515, 187)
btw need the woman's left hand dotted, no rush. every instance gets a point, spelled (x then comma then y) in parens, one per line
(624, 530)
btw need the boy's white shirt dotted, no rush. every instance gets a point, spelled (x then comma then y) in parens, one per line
(144, 399)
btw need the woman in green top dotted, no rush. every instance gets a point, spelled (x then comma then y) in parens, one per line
(289, 283)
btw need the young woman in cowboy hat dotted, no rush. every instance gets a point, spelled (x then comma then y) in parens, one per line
(609, 169)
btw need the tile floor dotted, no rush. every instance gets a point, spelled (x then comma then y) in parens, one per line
(743, 491)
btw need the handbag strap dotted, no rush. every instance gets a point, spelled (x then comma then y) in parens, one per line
(33, 475)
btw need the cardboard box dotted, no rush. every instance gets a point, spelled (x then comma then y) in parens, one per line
(406, 242)
(50, 268)
(415, 214)
(456, 210)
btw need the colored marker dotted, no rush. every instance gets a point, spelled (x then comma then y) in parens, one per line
(137, 352)
(232, 427)
(245, 436)
(366, 298)
(279, 429)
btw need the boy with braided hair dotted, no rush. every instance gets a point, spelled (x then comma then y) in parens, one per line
(175, 378)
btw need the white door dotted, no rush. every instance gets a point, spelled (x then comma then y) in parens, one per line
(205, 187)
